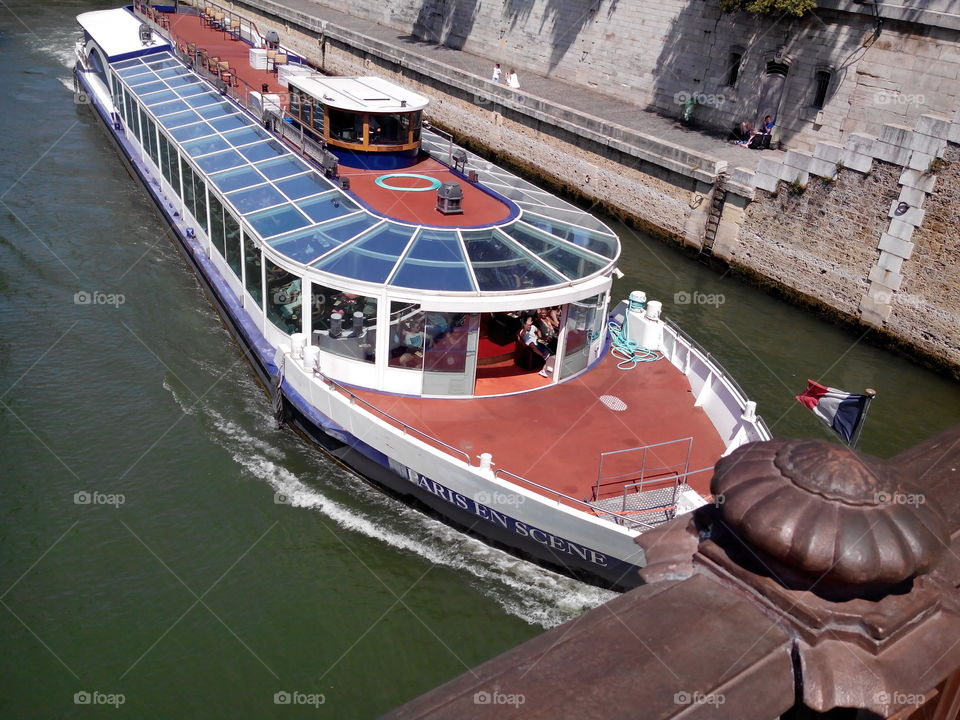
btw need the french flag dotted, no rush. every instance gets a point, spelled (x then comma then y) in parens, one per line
(841, 410)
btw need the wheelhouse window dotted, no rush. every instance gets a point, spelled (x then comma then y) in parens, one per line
(343, 323)
(346, 126)
(389, 129)
(283, 298)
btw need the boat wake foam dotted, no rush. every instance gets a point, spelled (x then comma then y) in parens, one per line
(527, 591)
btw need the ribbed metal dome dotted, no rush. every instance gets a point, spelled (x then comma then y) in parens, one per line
(829, 512)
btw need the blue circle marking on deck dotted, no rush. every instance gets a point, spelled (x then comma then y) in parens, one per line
(434, 183)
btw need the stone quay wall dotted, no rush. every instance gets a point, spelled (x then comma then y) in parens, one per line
(868, 229)
(657, 55)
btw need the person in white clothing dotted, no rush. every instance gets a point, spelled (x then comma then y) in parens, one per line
(513, 81)
(497, 72)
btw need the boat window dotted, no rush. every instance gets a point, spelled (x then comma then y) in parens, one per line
(215, 111)
(220, 161)
(316, 121)
(192, 132)
(216, 224)
(153, 87)
(182, 82)
(167, 108)
(303, 186)
(246, 135)
(263, 151)
(343, 323)
(277, 221)
(236, 179)
(389, 129)
(231, 232)
(330, 235)
(165, 147)
(195, 148)
(186, 173)
(230, 122)
(406, 336)
(415, 122)
(281, 167)
(204, 99)
(200, 200)
(583, 324)
(571, 261)
(435, 262)
(152, 143)
(142, 79)
(346, 126)
(328, 206)
(178, 119)
(554, 221)
(499, 265)
(255, 198)
(372, 257)
(252, 269)
(284, 300)
(124, 64)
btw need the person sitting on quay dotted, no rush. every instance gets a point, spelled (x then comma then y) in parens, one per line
(765, 130)
(513, 81)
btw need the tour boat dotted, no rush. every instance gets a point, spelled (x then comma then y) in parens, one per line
(381, 278)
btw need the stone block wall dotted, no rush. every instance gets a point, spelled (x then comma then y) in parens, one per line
(658, 54)
(868, 228)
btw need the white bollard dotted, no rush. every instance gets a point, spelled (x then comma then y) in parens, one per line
(486, 460)
(749, 412)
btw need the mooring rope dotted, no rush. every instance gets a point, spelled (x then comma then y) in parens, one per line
(629, 353)
(278, 393)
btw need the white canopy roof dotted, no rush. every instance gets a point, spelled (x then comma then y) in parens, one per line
(117, 32)
(360, 94)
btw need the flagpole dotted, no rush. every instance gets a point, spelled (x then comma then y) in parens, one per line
(869, 394)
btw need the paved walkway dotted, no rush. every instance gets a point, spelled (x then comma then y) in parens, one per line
(578, 98)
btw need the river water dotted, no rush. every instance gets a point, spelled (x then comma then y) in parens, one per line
(182, 586)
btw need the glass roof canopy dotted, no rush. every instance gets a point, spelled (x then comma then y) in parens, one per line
(309, 219)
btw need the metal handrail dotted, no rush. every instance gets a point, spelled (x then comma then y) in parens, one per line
(711, 359)
(572, 500)
(404, 426)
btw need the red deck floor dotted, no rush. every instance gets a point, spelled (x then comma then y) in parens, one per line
(190, 29)
(554, 436)
(479, 208)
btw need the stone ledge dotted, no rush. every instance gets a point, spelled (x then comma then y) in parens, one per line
(896, 246)
(913, 216)
(918, 179)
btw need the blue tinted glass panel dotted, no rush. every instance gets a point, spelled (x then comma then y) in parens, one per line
(186, 89)
(605, 245)
(571, 261)
(255, 198)
(339, 231)
(305, 245)
(123, 64)
(277, 221)
(303, 186)
(168, 63)
(246, 136)
(204, 99)
(141, 79)
(205, 146)
(329, 206)
(499, 265)
(220, 161)
(132, 71)
(173, 72)
(184, 118)
(435, 262)
(155, 98)
(263, 151)
(152, 88)
(214, 111)
(241, 177)
(191, 132)
(281, 167)
(170, 107)
(373, 256)
(230, 122)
